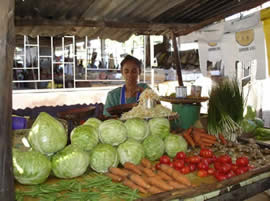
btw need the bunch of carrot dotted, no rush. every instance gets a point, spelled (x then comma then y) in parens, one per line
(146, 179)
(200, 137)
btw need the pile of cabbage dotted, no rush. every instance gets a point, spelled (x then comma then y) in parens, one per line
(94, 145)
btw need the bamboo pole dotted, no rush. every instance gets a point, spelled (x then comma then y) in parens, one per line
(7, 39)
(177, 60)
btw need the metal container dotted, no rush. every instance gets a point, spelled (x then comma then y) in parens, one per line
(181, 92)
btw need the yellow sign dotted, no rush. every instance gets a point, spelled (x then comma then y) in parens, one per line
(265, 17)
(212, 44)
(244, 38)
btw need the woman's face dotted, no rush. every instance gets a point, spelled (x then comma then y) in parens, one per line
(130, 71)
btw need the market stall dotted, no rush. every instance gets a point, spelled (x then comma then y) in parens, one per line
(90, 18)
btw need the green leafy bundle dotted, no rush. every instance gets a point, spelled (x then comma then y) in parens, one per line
(226, 107)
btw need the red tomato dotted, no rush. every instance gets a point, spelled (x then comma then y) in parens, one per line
(225, 167)
(194, 159)
(165, 160)
(242, 161)
(250, 167)
(178, 164)
(192, 167)
(214, 158)
(181, 155)
(211, 171)
(219, 176)
(171, 164)
(157, 166)
(225, 159)
(230, 174)
(211, 160)
(202, 173)
(206, 153)
(234, 167)
(185, 170)
(205, 160)
(241, 170)
(203, 166)
(217, 165)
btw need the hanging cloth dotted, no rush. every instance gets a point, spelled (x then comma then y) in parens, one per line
(123, 95)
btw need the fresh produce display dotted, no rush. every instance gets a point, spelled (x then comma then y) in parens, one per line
(174, 144)
(84, 136)
(102, 157)
(130, 151)
(262, 134)
(137, 129)
(159, 126)
(70, 162)
(30, 167)
(47, 134)
(153, 147)
(93, 122)
(112, 132)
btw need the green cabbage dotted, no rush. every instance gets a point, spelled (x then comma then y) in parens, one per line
(137, 129)
(174, 144)
(248, 126)
(112, 132)
(159, 126)
(130, 151)
(153, 147)
(84, 136)
(47, 134)
(102, 157)
(70, 162)
(30, 167)
(93, 122)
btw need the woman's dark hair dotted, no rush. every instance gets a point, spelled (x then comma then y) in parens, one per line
(132, 59)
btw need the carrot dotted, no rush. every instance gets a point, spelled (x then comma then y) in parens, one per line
(118, 171)
(188, 137)
(200, 130)
(132, 167)
(207, 144)
(164, 176)
(139, 180)
(175, 174)
(207, 136)
(205, 140)
(114, 177)
(154, 190)
(176, 185)
(148, 172)
(196, 138)
(156, 181)
(222, 139)
(140, 167)
(127, 172)
(146, 163)
(134, 186)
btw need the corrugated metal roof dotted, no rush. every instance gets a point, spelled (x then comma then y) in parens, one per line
(119, 19)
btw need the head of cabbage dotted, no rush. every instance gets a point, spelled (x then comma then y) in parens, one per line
(102, 157)
(130, 151)
(70, 162)
(93, 122)
(112, 132)
(137, 129)
(159, 126)
(84, 136)
(174, 144)
(30, 167)
(153, 147)
(47, 134)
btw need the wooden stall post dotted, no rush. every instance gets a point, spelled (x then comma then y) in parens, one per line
(177, 60)
(7, 39)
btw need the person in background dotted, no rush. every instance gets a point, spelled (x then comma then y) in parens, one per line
(131, 90)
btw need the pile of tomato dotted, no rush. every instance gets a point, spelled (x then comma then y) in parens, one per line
(207, 163)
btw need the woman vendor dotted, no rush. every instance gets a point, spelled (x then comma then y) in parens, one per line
(131, 90)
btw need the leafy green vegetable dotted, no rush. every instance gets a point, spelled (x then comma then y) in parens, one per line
(84, 136)
(251, 113)
(137, 129)
(259, 122)
(93, 122)
(30, 167)
(70, 162)
(130, 151)
(174, 144)
(248, 126)
(112, 132)
(159, 126)
(47, 134)
(153, 147)
(102, 157)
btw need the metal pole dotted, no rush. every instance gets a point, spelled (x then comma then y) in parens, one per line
(177, 60)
